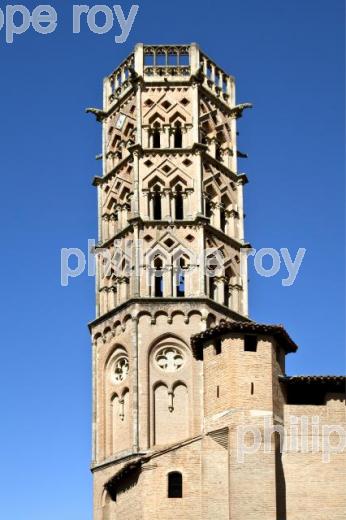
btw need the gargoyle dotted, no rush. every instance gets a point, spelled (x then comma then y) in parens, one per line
(133, 75)
(237, 111)
(98, 113)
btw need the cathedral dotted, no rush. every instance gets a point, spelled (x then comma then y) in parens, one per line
(194, 416)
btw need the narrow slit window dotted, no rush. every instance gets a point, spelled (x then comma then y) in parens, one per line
(181, 279)
(179, 203)
(226, 293)
(208, 211)
(223, 219)
(178, 136)
(157, 203)
(156, 137)
(158, 282)
(218, 156)
(211, 287)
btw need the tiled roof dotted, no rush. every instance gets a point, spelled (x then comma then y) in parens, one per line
(128, 469)
(277, 331)
(315, 379)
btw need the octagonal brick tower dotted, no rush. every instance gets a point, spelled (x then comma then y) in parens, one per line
(169, 191)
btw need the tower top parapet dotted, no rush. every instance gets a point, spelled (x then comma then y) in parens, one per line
(169, 63)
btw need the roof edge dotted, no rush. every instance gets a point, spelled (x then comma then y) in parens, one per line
(277, 331)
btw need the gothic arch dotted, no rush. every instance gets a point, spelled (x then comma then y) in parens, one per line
(177, 116)
(157, 118)
(169, 367)
(176, 313)
(114, 349)
(167, 336)
(153, 179)
(193, 313)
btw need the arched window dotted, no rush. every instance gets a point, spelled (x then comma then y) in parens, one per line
(211, 287)
(178, 136)
(181, 279)
(179, 203)
(226, 293)
(225, 203)
(175, 485)
(218, 156)
(156, 136)
(158, 278)
(222, 219)
(226, 287)
(208, 212)
(157, 213)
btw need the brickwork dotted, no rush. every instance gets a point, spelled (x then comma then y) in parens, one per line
(170, 189)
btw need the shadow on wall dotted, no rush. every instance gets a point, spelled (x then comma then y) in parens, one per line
(281, 513)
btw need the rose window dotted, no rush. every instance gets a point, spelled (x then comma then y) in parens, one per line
(169, 359)
(121, 369)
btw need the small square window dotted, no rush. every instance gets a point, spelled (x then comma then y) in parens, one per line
(250, 343)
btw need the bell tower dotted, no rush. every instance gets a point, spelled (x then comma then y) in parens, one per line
(169, 265)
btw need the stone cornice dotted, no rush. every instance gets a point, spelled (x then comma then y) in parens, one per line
(199, 220)
(141, 458)
(119, 100)
(150, 301)
(100, 180)
(195, 148)
(231, 174)
(136, 219)
(226, 238)
(315, 380)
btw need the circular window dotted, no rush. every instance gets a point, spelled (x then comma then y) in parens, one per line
(121, 369)
(169, 359)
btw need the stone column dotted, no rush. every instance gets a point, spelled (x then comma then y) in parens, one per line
(201, 261)
(194, 58)
(104, 232)
(195, 113)
(145, 211)
(151, 205)
(167, 281)
(240, 209)
(212, 147)
(235, 297)
(185, 204)
(233, 158)
(216, 216)
(231, 224)
(136, 200)
(139, 59)
(166, 204)
(188, 203)
(219, 282)
(165, 136)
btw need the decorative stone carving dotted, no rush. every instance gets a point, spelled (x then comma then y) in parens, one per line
(121, 369)
(169, 359)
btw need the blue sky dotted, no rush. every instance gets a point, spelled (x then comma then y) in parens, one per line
(288, 58)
